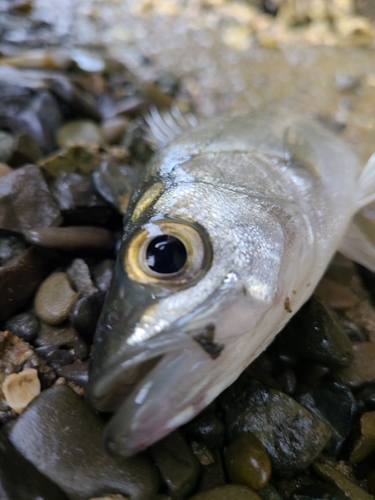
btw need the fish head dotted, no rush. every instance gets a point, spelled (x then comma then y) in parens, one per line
(196, 274)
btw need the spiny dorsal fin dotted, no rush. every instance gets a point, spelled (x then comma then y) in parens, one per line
(166, 126)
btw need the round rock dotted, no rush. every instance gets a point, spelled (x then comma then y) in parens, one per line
(24, 325)
(247, 462)
(55, 299)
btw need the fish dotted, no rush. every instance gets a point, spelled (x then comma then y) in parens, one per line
(225, 237)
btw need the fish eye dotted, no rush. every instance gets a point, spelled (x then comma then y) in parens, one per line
(169, 253)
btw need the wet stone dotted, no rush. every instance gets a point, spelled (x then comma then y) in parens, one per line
(287, 381)
(62, 438)
(79, 132)
(56, 358)
(77, 372)
(25, 201)
(24, 325)
(19, 479)
(319, 492)
(54, 337)
(269, 493)
(70, 238)
(80, 277)
(78, 200)
(228, 492)
(102, 274)
(6, 145)
(315, 334)
(177, 464)
(362, 370)
(291, 435)
(85, 314)
(247, 462)
(335, 405)
(365, 444)
(55, 299)
(20, 278)
(352, 491)
(11, 246)
(206, 428)
(212, 474)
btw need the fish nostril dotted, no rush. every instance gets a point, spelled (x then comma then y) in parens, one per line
(166, 254)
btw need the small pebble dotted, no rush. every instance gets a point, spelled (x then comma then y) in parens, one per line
(206, 428)
(79, 132)
(24, 325)
(77, 372)
(85, 314)
(365, 444)
(11, 246)
(55, 299)
(335, 295)
(80, 277)
(70, 238)
(228, 492)
(247, 462)
(362, 370)
(102, 274)
(21, 388)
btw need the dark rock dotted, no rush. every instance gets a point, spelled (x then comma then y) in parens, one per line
(55, 299)
(212, 474)
(269, 493)
(79, 276)
(78, 373)
(362, 370)
(247, 462)
(366, 398)
(291, 435)
(319, 492)
(80, 103)
(20, 480)
(206, 428)
(85, 314)
(335, 405)
(25, 201)
(287, 381)
(6, 146)
(177, 464)
(102, 274)
(70, 238)
(64, 337)
(78, 200)
(228, 492)
(56, 358)
(20, 278)
(62, 438)
(315, 334)
(24, 325)
(11, 246)
(46, 108)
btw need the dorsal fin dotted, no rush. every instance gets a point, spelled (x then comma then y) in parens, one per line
(166, 126)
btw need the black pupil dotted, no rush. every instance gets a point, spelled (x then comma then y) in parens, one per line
(166, 254)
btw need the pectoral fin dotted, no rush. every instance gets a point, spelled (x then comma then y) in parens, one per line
(366, 184)
(358, 243)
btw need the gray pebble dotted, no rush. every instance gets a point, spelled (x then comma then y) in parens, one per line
(11, 245)
(77, 372)
(102, 274)
(24, 325)
(85, 314)
(62, 438)
(80, 277)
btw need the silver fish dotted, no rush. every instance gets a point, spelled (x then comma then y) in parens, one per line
(228, 233)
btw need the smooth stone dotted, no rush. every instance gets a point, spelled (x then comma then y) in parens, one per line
(206, 428)
(113, 129)
(81, 159)
(350, 489)
(362, 370)
(80, 277)
(25, 201)
(62, 438)
(78, 200)
(177, 464)
(70, 238)
(291, 435)
(21, 388)
(335, 295)
(319, 492)
(24, 325)
(20, 278)
(64, 336)
(365, 444)
(77, 372)
(55, 299)
(20, 480)
(11, 246)
(228, 492)
(102, 274)
(269, 493)
(335, 405)
(85, 314)
(247, 462)
(315, 334)
(79, 132)
(6, 146)
(88, 62)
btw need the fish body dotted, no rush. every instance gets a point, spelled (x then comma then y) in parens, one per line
(260, 202)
